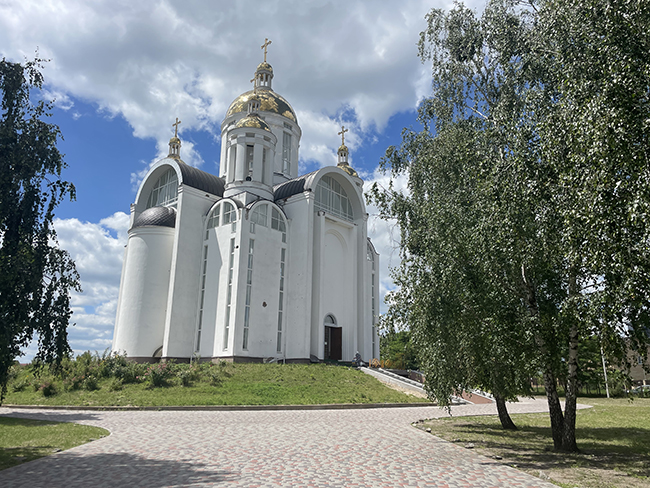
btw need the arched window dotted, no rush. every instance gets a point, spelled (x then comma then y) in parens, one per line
(277, 223)
(165, 191)
(229, 213)
(260, 215)
(332, 198)
(213, 220)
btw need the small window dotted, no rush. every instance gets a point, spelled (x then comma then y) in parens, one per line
(277, 222)
(229, 213)
(250, 151)
(213, 220)
(286, 153)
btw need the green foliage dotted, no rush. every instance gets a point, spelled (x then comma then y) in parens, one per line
(398, 348)
(524, 229)
(157, 375)
(35, 275)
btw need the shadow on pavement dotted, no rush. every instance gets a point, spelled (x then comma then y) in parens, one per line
(110, 470)
(53, 415)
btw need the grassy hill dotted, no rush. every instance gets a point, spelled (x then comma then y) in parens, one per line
(113, 381)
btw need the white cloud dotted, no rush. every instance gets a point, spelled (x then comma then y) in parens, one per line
(385, 234)
(97, 250)
(151, 61)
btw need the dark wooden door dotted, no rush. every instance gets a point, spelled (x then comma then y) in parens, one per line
(337, 342)
(333, 343)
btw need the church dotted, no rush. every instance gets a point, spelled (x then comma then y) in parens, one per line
(257, 264)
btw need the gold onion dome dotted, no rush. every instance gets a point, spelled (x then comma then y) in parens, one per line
(269, 102)
(174, 140)
(264, 66)
(252, 121)
(349, 170)
(343, 147)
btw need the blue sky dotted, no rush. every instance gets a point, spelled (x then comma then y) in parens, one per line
(122, 71)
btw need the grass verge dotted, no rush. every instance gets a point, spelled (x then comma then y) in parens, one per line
(209, 384)
(613, 436)
(23, 440)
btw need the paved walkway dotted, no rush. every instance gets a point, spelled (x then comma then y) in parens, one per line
(299, 448)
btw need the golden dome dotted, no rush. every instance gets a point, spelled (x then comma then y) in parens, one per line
(264, 66)
(343, 147)
(269, 102)
(252, 121)
(348, 169)
(174, 140)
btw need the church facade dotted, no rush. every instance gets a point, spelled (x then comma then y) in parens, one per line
(255, 264)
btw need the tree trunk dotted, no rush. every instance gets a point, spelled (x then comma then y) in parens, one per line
(571, 391)
(554, 409)
(504, 417)
(550, 381)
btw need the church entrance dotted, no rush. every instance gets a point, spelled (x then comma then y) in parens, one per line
(333, 340)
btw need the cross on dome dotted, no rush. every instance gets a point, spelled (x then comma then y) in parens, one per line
(342, 134)
(175, 142)
(264, 46)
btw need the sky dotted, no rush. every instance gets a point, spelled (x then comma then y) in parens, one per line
(120, 73)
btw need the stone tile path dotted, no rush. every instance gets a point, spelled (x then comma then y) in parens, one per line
(298, 448)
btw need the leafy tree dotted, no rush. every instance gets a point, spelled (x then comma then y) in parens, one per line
(35, 275)
(524, 229)
(397, 346)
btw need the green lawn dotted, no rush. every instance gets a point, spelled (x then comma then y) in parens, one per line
(235, 384)
(613, 436)
(22, 440)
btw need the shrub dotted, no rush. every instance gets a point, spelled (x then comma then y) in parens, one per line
(19, 384)
(115, 384)
(90, 383)
(158, 375)
(73, 383)
(47, 388)
(129, 372)
(187, 375)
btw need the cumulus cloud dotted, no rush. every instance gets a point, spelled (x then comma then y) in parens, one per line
(150, 61)
(97, 249)
(385, 234)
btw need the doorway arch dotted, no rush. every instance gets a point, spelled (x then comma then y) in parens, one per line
(333, 346)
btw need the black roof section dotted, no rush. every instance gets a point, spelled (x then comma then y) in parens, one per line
(291, 187)
(201, 180)
(156, 216)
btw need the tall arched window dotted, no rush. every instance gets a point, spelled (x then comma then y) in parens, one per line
(332, 198)
(165, 191)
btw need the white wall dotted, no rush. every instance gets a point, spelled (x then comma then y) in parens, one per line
(140, 321)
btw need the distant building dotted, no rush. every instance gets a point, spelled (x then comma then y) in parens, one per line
(255, 263)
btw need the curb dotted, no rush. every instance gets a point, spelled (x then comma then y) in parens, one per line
(226, 408)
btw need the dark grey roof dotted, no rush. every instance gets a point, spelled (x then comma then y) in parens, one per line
(158, 216)
(292, 187)
(201, 180)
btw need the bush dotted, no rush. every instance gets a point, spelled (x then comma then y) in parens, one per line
(187, 375)
(158, 375)
(74, 383)
(47, 388)
(90, 383)
(115, 384)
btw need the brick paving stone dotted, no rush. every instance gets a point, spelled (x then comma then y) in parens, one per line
(297, 448)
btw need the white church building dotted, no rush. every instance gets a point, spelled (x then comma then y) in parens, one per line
(255, 264)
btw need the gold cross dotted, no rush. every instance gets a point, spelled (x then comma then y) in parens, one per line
(175, 126)
(264, 46)
(254, 85)
(342, 134)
